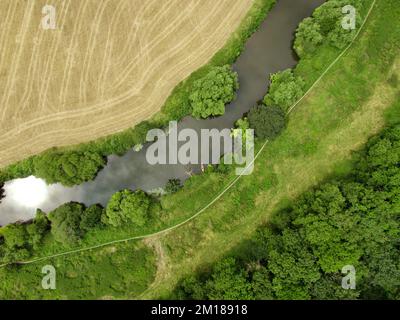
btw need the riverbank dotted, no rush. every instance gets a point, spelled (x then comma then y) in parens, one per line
(132, 170)
(323, 131)
(175, 107)
(336, 119)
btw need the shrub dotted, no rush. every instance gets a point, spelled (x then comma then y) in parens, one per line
(325, 27)
(173, 185)
(15, 236)
(308, 37)
(212, 92)
(69, 168)
(353, 220)
(127, 206)
(16, 243)
(38, 228)
(91, 218)
(285, 89)
(267, 122)
(65, 222)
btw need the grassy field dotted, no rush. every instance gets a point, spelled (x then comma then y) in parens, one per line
(106, 67)
(122, 271)
(28, 283)
(354, 101)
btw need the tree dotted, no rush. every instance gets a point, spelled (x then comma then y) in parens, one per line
(192, 288)
(329, 18)
(300, 254)
(69, 168)
(261, 285)
(15, 236)
(308, 37)
(127, 206)
(38, 228)
(212, 92)
(65, 222)
(173, 185)
(293, 266)
(91, 218)
(267, 122)
(285, 89)
(228, 281)
(325, 27)
(16, 243)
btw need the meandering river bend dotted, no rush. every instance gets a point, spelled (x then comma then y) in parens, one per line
(268, 50)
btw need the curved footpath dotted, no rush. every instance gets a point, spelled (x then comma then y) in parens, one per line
(226, 189)
(267, 51)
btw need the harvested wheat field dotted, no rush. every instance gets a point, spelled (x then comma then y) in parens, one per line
(108, 65)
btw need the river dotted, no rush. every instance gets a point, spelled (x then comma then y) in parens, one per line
(269, 50)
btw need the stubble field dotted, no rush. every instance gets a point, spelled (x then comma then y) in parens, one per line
(108, 65)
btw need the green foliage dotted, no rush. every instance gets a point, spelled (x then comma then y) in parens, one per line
(65, 222)
(211, 93)
(71, 221)
(15, 236)
(122, 271)
(173, 185)
(176, 107)
(267, 122)
(69, 168)
(285, 89)
(16, 243)
(38, 228)
(91, 218)
(22, 169)
(127, 206)
(354, 221)
(228, 282)
(20, 239)
(308, 37)
(325, 27)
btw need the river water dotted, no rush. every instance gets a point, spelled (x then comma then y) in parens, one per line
(269, 50)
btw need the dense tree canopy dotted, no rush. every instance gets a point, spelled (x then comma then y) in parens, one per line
(267, 122)
(325, 27)
(38, 228)
(308, 37)
(19, 239)
(15, 243)
(285, 89)
(211, 93)
(69, 168)
(127, 207)
(91, 218)
(71, 221)
(300, 254)
(65, 222)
